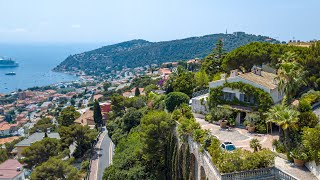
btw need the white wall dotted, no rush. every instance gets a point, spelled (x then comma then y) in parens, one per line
(18, 177)
(273, 92)
(198, 107)
(5, 132)
(313, 168)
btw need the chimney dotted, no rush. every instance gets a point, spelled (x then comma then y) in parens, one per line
(258, 71)
(253, 69)
(234, 73)
(18, 169)
(223, 76)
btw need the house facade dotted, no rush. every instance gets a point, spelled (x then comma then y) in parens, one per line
(32, 139)
(86, 119)
(258, 78)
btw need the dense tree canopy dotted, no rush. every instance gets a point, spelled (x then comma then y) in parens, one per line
(40, 152)
(131, 118)
(43, 125)
(183, 81)
(257, 53)
(82, 136)
(68, 116)
(127, 162)
(290, 75)
(175, 99)
(156, 127)
(54, 169)
(117, 102)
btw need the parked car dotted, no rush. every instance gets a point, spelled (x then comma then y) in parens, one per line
(228, 146)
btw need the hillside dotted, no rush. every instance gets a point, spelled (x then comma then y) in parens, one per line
(140, 52)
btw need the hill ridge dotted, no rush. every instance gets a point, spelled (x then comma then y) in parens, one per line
(140, 52)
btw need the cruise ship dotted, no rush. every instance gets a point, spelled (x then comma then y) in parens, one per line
(4, 62)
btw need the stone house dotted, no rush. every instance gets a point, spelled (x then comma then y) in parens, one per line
(257, 78)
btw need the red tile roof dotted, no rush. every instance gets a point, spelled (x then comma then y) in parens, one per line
(8, 169)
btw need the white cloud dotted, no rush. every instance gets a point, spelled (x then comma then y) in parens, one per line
(75, 26)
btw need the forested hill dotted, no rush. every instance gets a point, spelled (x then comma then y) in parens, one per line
(140, 52)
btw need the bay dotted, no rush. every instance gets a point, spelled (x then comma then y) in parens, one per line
(36, 62)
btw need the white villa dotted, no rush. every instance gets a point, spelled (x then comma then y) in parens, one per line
(262, 78)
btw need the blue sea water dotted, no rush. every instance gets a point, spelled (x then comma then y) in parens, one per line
(35, 64)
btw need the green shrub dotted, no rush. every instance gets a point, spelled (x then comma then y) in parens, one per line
(261, 128)
(299, 153)
(280, 148)
(85, 165)
(242, 160)
(175, 99)
(208, 118)
(308, 99)
(308, 119)
(304, 106)
(290, 159)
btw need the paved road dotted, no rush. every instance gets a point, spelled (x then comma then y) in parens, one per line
(103, 156)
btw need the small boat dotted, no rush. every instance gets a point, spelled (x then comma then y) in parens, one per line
(10, 73)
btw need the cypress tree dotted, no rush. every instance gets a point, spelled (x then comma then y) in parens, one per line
(97, 116)
(137, 92)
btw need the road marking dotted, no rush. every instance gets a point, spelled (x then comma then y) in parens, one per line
(96, 174)
(110, 152)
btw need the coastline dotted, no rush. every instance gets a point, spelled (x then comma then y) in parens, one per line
(77, 79)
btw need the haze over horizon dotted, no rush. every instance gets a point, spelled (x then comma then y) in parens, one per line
(98, 21)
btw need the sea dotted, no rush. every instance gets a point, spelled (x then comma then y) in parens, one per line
(36, 62)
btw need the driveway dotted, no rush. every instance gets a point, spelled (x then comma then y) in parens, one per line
(239, 137)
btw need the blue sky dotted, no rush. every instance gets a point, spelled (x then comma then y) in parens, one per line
(97, 21)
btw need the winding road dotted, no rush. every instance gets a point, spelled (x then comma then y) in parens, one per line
(102, 157)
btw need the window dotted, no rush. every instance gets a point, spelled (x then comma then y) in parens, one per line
(247, 99)
(229, 96)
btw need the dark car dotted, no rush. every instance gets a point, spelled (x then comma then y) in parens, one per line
(228, 146)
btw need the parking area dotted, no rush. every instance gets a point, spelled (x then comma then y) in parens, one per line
(238, 136)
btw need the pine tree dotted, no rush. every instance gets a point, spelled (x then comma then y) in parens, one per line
(97, 116)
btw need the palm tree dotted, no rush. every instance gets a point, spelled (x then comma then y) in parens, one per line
(290, 75)
(255, 145)
(285, 118)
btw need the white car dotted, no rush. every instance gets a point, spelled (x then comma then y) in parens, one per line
(228, 146)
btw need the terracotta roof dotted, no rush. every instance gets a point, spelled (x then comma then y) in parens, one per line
(126, 94)
(266, 79)
(164, 71)
(5, 126)
(97, 96)
(8, 139)
(192, 61)
(83, 119)
(8, 169)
